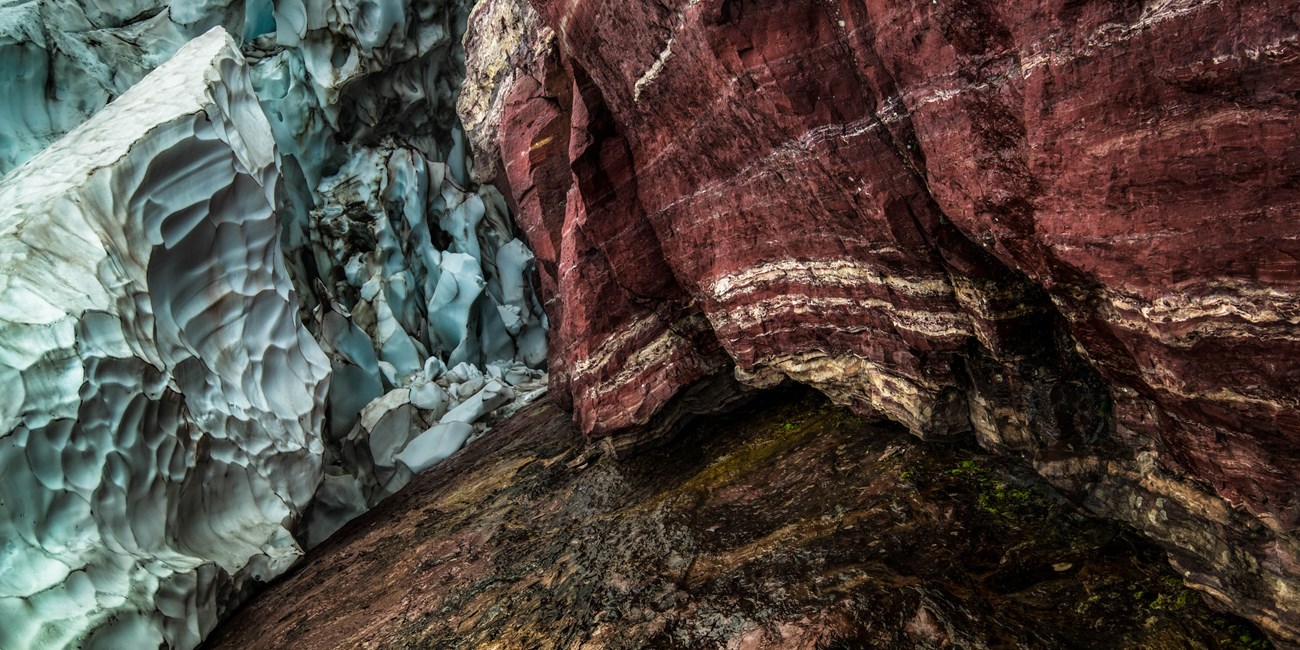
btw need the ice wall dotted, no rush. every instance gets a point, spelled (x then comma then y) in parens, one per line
(421, 290)
(66, 59)
(421, 331)
(159, 423)
(188, 433)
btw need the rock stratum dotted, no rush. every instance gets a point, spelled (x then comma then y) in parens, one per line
(1068, 228)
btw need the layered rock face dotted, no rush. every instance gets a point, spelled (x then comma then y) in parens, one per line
(159, 431)
(1067, 227)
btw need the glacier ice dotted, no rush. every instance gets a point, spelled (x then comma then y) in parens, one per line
(66, 59)
(410, 429)
(159, 437)
(412, 268)
(397, 308)
(165, 409)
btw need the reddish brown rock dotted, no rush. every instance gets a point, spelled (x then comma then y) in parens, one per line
(1069, 226)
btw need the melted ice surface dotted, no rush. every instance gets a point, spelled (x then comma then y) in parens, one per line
(159, 428)
(167, 423)
(413, 269)
(66, 59)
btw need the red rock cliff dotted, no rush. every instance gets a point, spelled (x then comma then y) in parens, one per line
(1067, 226)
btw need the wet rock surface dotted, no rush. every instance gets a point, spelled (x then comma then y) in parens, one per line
(790, 523)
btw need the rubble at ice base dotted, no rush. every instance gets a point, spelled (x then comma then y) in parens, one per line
(226, 331)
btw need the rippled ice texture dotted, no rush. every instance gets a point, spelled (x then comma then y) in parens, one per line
(166, 422)
(162, 401)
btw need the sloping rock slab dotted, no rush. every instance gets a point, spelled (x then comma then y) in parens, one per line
(793, 525)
